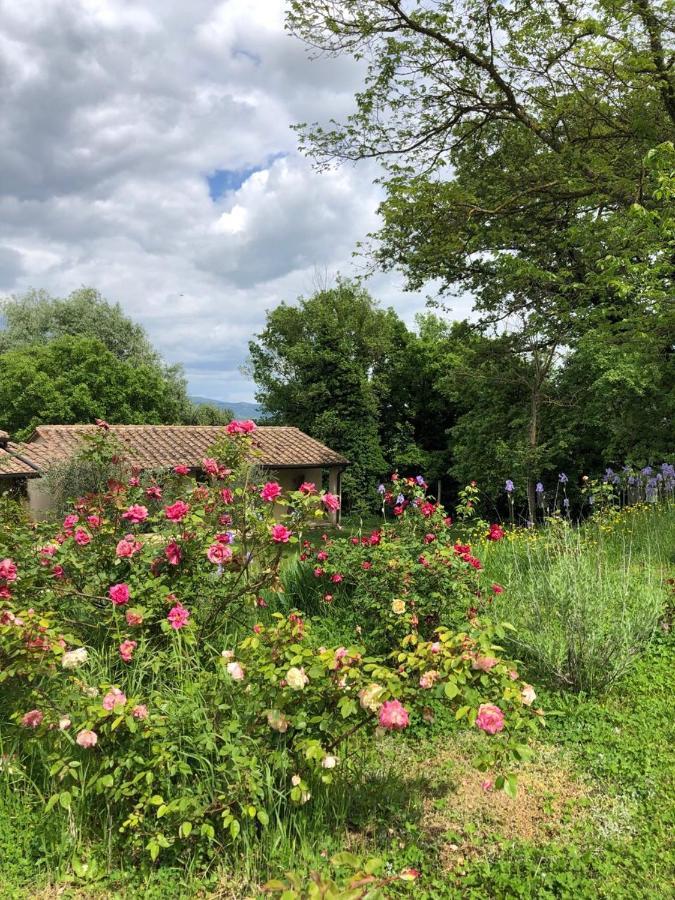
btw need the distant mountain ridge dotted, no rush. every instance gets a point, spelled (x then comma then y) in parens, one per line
(242, 409)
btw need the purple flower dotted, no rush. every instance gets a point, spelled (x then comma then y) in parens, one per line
(509, 486)
(381, 489)
(400, 499)
(647, 470)
(539, 487)
(421, 481)
(562, 478)
(566, 503)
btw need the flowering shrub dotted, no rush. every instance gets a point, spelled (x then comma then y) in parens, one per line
(139, 665)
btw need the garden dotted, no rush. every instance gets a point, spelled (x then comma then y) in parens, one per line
(209, 691)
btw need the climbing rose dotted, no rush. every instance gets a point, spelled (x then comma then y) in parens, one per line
(32, 719)
(182, 470)
(428, 679)
(277, 720)
(113, 699)
(484, 663)
(369, 697)
(134, 618)
(87, 739)
(330, 501)
(128, 546)
(178, 617)
(398, 606)
(528, 695)
(74, 658)
(393, 715)
(280, 534)
(82, 537)
(307, 487)
(119, 594)
(226, 495)
(235, 671)
(8, 570)
(136, 513)
(296, 678)
(245, 427)
(173, 553)
(270, 491)
(177, 511)
(218, 554)
(70, 522)
(140, 711)
(210, 466)
(490, 718)
(154, 492)
(127, 650)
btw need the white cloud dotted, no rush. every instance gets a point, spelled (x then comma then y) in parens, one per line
(113, 114)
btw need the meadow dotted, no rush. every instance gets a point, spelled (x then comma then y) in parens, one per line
(299, 744)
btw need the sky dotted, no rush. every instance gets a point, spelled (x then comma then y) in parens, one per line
(146, 150)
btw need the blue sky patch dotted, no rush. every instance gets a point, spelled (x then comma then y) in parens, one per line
(223, 180)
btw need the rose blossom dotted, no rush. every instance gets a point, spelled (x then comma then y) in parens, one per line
(307, 487)
(398, 606)
(74, 658)
(119, 594)
(336, 578)
(64, 723)
(369, 697)
(8, 570)
(527, 695)
(127, 650)
(428, 679)
(140, 711)
(182, 470)
(393, 715)
(136, 513)
(497, 589)
(128, 546)
(280, 534)
(330, 501)
(82, 537)
(32, 718)
(296, 678)
(70, 522)
(490, 718)
(245, 427)
(114, 698)
(134, 618)
(87, 739)
(484, 663)
(177, 511)
(235, 671)
(271, 490)
(277, 721)
(178, 617)
(218, 554)
(329, 762)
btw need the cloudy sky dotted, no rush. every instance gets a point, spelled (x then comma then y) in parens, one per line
(146, 150)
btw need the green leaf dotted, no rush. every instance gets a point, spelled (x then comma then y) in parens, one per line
(263, 818)
(451, 690)
(235, 828)
(65, 799)
(185, 829)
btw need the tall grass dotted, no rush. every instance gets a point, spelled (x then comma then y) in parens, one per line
(585, 601)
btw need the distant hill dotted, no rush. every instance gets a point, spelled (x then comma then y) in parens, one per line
(242, 410)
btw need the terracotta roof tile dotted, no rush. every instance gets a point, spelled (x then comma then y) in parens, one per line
(161, 446)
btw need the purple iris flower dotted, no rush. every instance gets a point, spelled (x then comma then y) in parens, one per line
(400, 499)
(647, 470)
(421, 481)
(509, 486)
(566, 503)
(381, 489)
(539, 487)
(562, 478)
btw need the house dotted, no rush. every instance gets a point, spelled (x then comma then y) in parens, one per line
(288, 454)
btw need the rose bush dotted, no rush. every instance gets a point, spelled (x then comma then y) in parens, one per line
(154, 697)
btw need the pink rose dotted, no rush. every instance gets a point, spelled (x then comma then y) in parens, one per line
(119, 594)
(127, 547)
(94, 521)
(490, 718)
(226, 495)
(134, 618)
(429, 679)
(318, 572)
(136, 513)
(235, 671)
(114, 698)
(177, 511)
(87, 739)
(127, 650)
(182, 470)
(218, 554)
(435, 647)
(178, 617)
(484, 663)
(330, 501)
(8, 570)
(70, 522)
(210, 466)
(32, 719)
(173, 553)
(393, 715)
(307, 487)
(154, 492)
(336, 578)
(245, 427)
(270, 491)
(140, 711)
(497, 589)
(280, 534)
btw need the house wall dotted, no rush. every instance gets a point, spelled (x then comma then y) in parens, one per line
(291, 479)
(39, 500)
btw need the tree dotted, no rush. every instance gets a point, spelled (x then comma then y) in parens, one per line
(325, 366)
(78, 379)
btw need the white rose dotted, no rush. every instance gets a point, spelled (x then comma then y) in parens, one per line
(73, 659)
(227, 654)
(329, 762)
(235, 671)
(527, 695)
(296, 678)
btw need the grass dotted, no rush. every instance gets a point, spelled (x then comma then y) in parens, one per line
(595, 813)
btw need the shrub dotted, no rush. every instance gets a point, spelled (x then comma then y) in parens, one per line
(154, 701)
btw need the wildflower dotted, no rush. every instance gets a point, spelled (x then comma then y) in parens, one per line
(134, 618)
(73, 659)
(271, 490)
(177, 511)
(484, 663)
(336, 578)
(429, 538)
(113, 699)
(181, 470)
(330, 501)
(369, 697)
(393, 715)
(366, 564)
(178, 616)
(398, 607)
(136, 514)
(527, 695)
(280, 534)
(487, 785)
(235, 671)
(173, 553)
(277, 721)
(8, 570)
(318, 572)
(218, 554)
(490, 718)
(119, 594)
(497, 589)
(296, 678)
(127, 650)
(140, 711)
(509, 486)
(381, 489)
(32, 719)
(87, 739)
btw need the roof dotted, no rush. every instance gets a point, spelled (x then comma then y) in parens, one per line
(162, 446)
